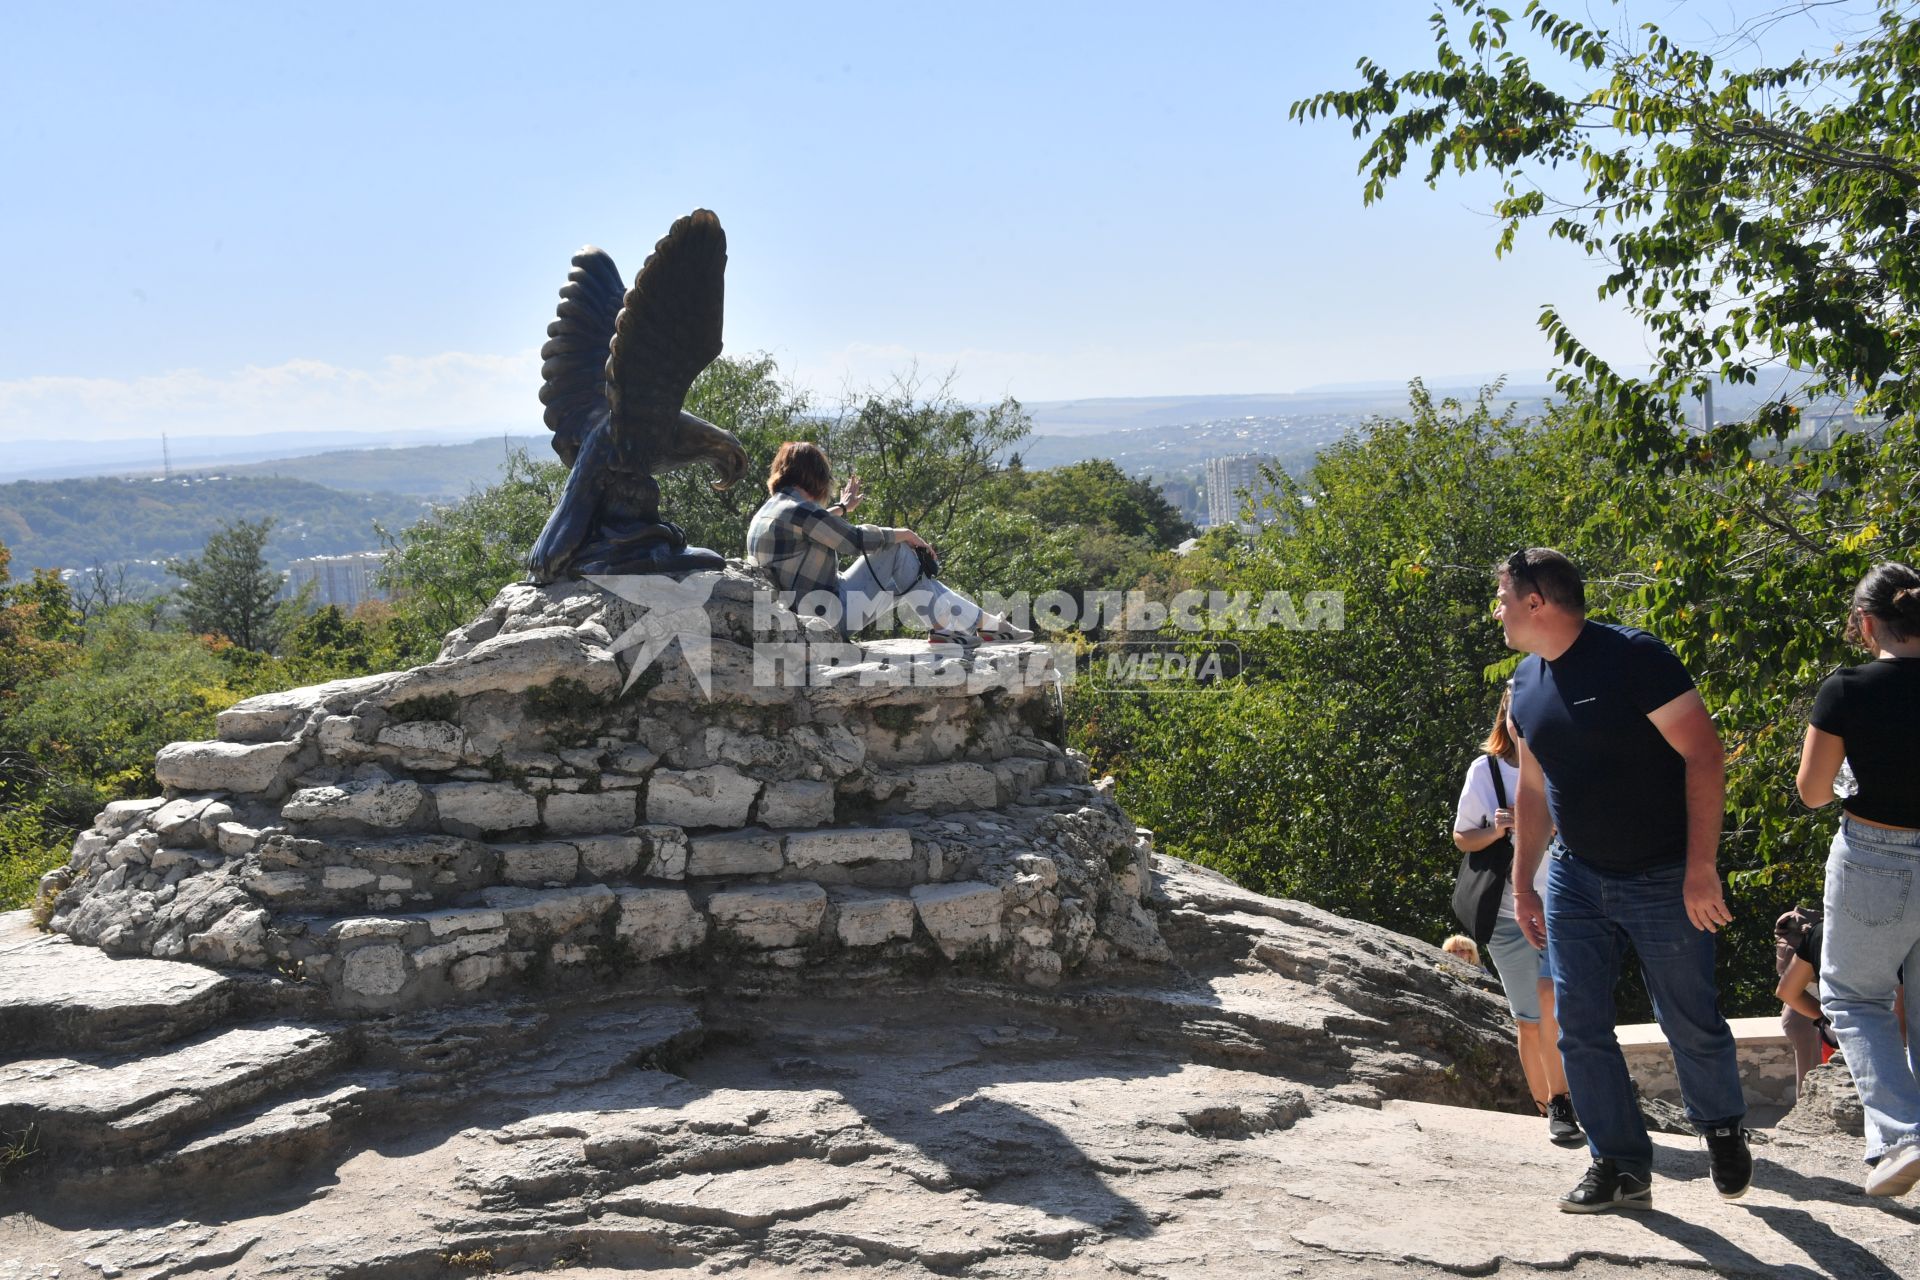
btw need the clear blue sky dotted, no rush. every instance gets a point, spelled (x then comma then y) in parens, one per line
(227, 218)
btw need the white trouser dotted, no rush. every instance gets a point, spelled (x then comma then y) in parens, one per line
(889, 579)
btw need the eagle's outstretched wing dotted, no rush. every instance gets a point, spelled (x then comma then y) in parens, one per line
(574, 361)
(667, 332)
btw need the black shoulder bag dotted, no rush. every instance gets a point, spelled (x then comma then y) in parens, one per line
(1483, 875)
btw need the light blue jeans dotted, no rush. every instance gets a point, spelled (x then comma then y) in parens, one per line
(882, 581)
(1872, 929)
(1517, 962)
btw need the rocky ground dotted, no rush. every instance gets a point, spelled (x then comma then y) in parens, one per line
(1297, 1095)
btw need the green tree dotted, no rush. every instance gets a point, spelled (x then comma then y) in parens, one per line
(1329, 770)
(1099, 495)
(989, 549)
(83, 727)
(1113, 529)
(923, 457)
(38, 628)
(1750, 216)
(330, 642)
(229, 590)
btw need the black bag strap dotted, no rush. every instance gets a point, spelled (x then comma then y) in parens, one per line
(1499, 783)
(919, 576)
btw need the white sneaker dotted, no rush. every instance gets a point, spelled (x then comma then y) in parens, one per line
(1896, 1173)
(999, 631)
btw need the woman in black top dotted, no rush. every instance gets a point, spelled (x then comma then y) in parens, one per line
(1869, 715)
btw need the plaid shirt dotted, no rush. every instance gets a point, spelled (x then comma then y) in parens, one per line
(800, 543)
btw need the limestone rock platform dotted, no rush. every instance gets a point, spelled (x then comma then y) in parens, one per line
(1292, 1095)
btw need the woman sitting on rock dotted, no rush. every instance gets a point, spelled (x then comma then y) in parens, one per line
(799, 537)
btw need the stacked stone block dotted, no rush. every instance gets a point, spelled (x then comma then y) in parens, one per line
(520, 811)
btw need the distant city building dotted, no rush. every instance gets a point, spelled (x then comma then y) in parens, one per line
(1185, 494)
(337, 580)
(1227, 478)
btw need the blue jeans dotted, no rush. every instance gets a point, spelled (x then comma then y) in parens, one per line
(1872, 929)
(1592, 917)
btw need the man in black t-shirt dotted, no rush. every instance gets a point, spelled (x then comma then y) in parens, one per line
(1619, 756)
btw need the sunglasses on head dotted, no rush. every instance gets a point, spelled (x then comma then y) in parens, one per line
(1517, 568)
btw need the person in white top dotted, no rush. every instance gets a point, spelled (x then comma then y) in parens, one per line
(1479, 821)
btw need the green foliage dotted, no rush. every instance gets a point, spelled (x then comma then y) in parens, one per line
(922, 457)
(81, 715)
(95, 726)
(1329, 772)
(1750, 216)
(1098, 495)
(228, 590)
(37, 634)
(1083, 527)
(987, 549)
(37, 628)
(31, 844)
(331, 642)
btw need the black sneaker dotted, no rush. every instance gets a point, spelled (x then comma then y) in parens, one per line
(1730, 1161)
(1607, 1186)
(1563, 1127)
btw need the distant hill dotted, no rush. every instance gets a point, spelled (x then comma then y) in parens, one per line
(70, 524)
(439, 471)
(61, 458)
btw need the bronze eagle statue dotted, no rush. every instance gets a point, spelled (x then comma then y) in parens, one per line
(617, 367)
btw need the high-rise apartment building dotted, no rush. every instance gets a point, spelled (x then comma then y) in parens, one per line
(1227, 478)
(338, 580)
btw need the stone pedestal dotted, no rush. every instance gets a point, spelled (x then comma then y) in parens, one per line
(528, 808)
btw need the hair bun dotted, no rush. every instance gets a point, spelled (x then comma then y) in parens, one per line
(1906, 602)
